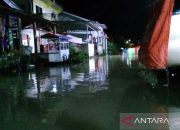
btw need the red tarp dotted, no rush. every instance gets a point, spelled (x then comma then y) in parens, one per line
(153, 52)
(49, 35)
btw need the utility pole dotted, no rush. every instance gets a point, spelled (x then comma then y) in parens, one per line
(19, 32)
(30, 3)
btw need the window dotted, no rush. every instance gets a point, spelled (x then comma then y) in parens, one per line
(65, 46)
(100, 39)
(53, 16)
(38, 10)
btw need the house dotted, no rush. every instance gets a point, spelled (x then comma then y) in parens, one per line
(94, 39)
(20, 30)
(46, 10)
(10, 26)
(49, 47)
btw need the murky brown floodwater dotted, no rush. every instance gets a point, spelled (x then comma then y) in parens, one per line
(88, 96)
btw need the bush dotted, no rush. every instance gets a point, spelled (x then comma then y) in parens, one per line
(112, 49)
(10, 60)
(77, 56)
(149, 76)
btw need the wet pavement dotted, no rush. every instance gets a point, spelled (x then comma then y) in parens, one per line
(87, 96)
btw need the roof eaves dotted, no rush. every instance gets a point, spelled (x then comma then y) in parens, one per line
(76, 16)
(13, 5)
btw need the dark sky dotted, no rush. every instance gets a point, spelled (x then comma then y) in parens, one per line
(123, 17)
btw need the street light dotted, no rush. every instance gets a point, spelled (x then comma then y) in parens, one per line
(128, 41)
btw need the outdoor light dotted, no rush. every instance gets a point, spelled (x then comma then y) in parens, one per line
(128, 41)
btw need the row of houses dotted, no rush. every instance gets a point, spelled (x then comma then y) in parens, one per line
(42, 24)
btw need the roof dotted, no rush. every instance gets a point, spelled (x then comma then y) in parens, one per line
(49, 35)
(12, 9)
(101, 25)
(69, 21)
(65, 16)
(11, 4)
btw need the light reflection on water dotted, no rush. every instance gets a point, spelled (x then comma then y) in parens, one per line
(87, 96)
(128, 56)
(59, 79)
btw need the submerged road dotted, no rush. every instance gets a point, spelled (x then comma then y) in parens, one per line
(87, 96)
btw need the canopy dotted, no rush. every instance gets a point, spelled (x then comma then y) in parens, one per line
(49, 35)
(55, 36)
(74, 39)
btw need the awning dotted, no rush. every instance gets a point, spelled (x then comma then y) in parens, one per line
(55, 36)
(74, 39)
(27, 19)
(49, 35)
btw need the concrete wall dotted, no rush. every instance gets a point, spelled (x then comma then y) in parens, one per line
(100, 49)
(91, 50)
(48, 7)
(30, 33)
(88, 49)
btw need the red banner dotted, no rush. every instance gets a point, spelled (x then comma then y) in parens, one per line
(153, 52)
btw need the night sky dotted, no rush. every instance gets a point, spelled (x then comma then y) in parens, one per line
(125, 18)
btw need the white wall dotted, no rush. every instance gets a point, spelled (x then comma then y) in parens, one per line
(64, 52)
(174, 42)
(91, 50)
(100, 37)
(47, 10)
(30, 33)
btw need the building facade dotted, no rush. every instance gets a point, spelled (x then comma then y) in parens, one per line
(94, 39)
(48, 11)
(10, 26)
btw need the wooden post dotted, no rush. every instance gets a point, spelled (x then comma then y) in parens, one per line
(19, 31)
(54, 30)
(35, 38)
(87, 31)
(106, 45)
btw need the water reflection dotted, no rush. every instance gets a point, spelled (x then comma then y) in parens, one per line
(95, 78)
(87, 96)
(59, 80)
(129, 55)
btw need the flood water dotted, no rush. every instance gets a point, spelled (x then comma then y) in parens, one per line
(87, 96)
